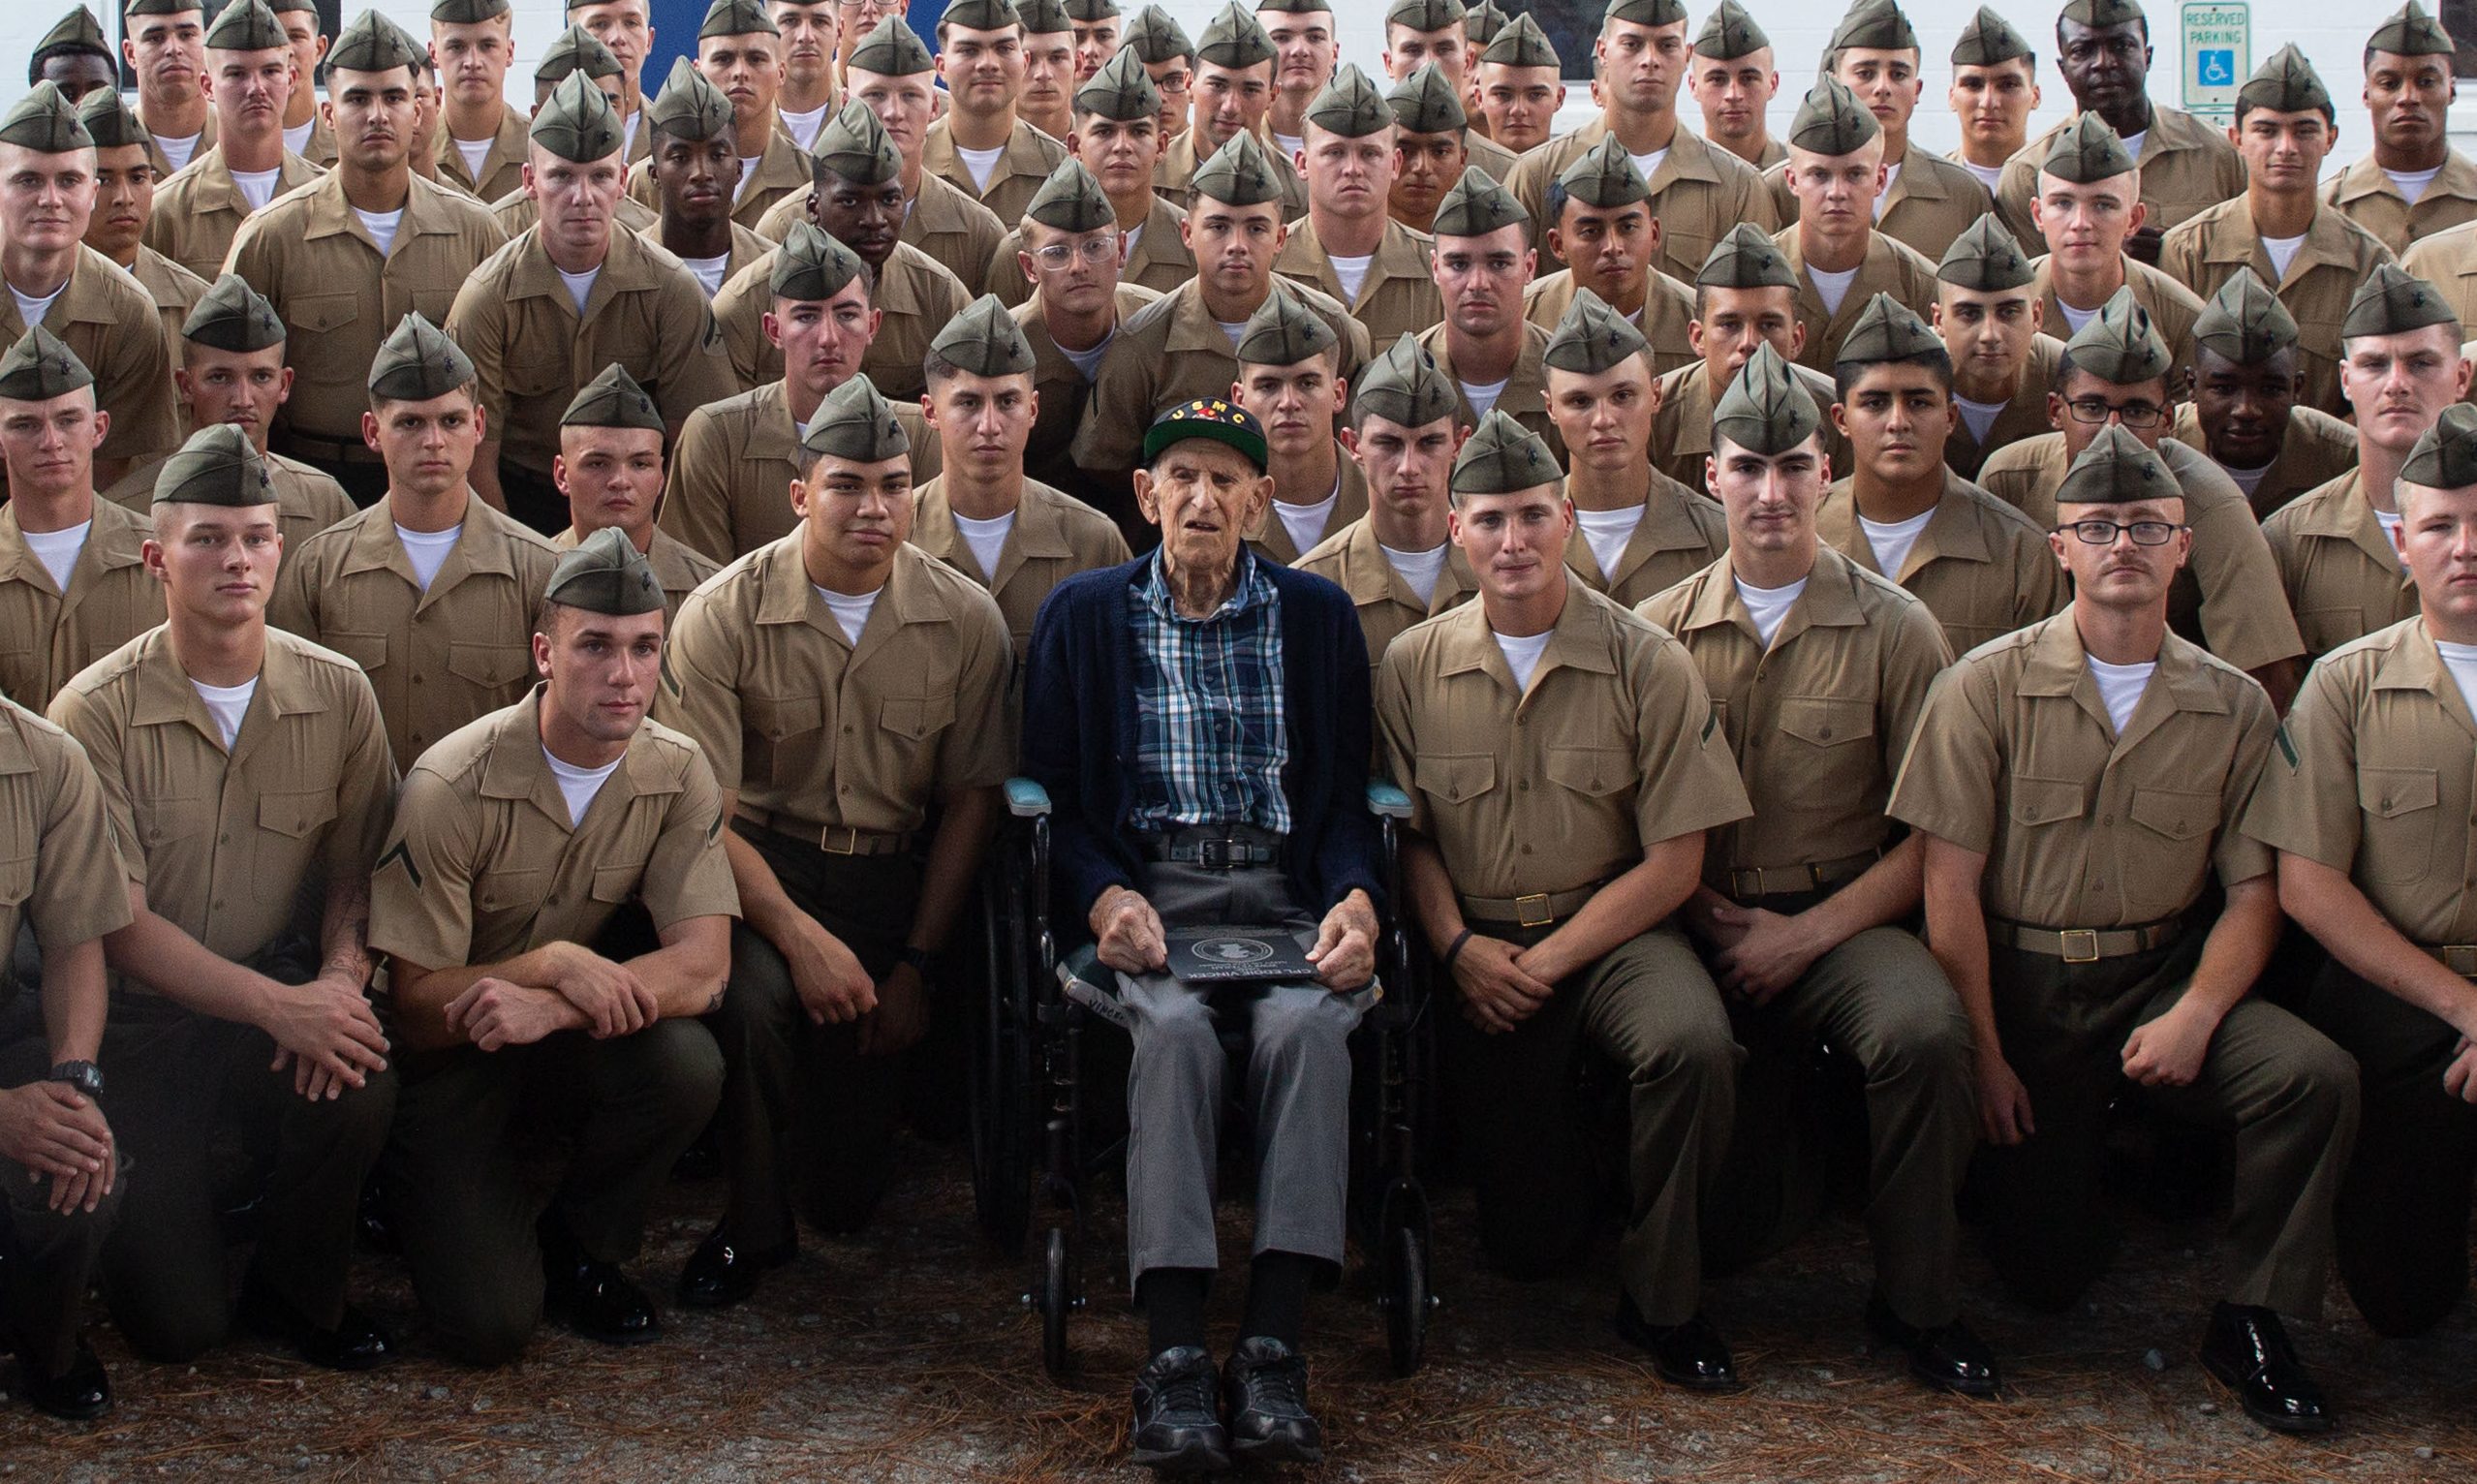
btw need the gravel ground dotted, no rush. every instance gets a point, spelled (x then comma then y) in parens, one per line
(906, 1355)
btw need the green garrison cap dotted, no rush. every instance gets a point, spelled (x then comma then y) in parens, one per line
(372, 43)
(1745, 258)
(461, 13)
(1988, 39)
(1645, 12)
(984, 340)
(1284, 331)
(1605, 176)
(1092, 11)
(1503, 457)
(1215, 418)
(1239, 173)
(854, 422)
(1476, 207)
(2445, 457)
(2411, 32)
(1591, 338)
(1044, 17)
(1522, 44)
(606, 573)
(1831, 121)
(2245, 322)
(1482, 21)
(419, 363)
(232, 316)
(856, 147)
(981, 14)
(1234, 38)
(811, 266)
(1984, 259)
(1424, 14)
(577, 123)
(1424, 103)
(1873, 24)
(218, 466)
(289, 7)
(1071, 198)
(613, 400)
(1154, 38)
(41, 366)
(2287, 84)
(45, 121)
(2118, 345)
(1296, 6)
(1729, 33)
(2116, 469)
(688, 107)
(737, 17)
(1120, 90)
(79, 29)
(1765, 411)
(247, 25)
(2102, 13)
(1887, 329)
(109, 120)
(2393, 302)
(1351, 106)
(2087, 151)
(893, 50)
(576, 49)
(1405, 385)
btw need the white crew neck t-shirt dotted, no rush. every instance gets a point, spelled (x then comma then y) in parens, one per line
(1978, 417)
(1606, 533)
(579, 785)
(474, 151)
(226, 704)
(297, 140)
(178, 149)
(58, 551)
(382, 226)
(1306, 523)
(1650, 164)
(1769, 605)
(1832, 287)
(1353, 273)
(580, 285)
(1892, 540)
(1087, 363)
(2282, 251)
(1891, 173)
(851, 612)
(708, 271)
(987, 539)
(1483, 395)
(1420, 570)
(2462, 661)
(1987, 174)
(427, 550)
(1522, 654)
(803, 127)
(31, 311)
(2412, 184)
(258, 187)
(2120, 687)
(981, 163)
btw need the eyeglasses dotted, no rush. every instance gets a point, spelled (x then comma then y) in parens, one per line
(2133, 414)
(866, 7)
(1094, 250)
(2103, 532)
(1173, 81)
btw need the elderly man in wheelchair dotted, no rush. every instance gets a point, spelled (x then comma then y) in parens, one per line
(1200, 720)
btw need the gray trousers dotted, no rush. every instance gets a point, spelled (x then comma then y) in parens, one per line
(1297, 1089)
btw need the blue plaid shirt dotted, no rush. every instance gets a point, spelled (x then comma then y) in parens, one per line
(1210, 739)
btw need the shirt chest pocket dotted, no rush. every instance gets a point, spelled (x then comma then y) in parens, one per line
(2180, 815)
(2402, 813)
(1595, 772)
(1456, 778)
(320, 343)
(296, 816)
(1822, 722)
(366, 650)
(780, 736)
(512, 892)
(2042, 801)
(491, 666)
(17, 879)
(916, 719)
(533, 374)
(614, 885)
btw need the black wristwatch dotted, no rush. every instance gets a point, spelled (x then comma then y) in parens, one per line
(85, 1076)
(918, 959)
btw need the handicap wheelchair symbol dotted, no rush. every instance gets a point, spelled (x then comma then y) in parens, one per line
(2217, 67)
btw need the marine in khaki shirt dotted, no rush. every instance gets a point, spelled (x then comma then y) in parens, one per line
(1745, 296)
(1604, 229)
(2245, 413)
(250, 75)
(1351, 159)
(2414, 184)
(739, 52)
(2188, 166)
(473, 42)
(1697, 192)
(1118, 140)
(611, 469)
(1287, 383)
(1990, 319)
(1024, 160)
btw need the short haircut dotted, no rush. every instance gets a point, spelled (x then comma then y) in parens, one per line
(34, 64)
(2329, 115)
(1703, 296)
(1846, 374)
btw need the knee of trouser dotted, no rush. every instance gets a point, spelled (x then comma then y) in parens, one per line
(758, 991)
(485, 1324)
(1701, 1054)
(687, 1071)
(1303, 1029)
(360, 1117)
(172, 1330)
(2321, 1081)
(1919, 1038)
(1178, 1031)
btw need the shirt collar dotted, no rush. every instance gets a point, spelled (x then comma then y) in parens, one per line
(1253, 590)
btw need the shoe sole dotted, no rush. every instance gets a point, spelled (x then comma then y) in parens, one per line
(617, 1337)
(75, 1415)
(1194, 1458)
(1705, 1384)
(1276, 1452)
(1980, 1390)
(2276, 1422)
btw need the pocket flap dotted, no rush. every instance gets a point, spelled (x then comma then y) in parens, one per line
(916, 718)
(366, 650)
(775, 717)
(499, 891)
(1825, 721)
(491, 665)
(616, 883)
(17, 881)
(2175, 813)
(1456, 777)
(2387, 793)
(318, 313)
(294, 816)
(2045, 800)
(1594, 771)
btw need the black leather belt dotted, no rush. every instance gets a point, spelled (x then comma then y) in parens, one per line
(1218, 847)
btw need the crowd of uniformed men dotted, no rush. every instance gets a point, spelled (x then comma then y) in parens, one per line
(1813, 592)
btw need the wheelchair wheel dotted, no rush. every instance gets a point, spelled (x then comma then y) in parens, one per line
(1405, 1298)
(1057, 1301)
(1000, 1090)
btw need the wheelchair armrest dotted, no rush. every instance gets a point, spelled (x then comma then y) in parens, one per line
(1026, 799)
(1384, 800)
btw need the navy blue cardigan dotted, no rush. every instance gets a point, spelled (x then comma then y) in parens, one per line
(1080, 738)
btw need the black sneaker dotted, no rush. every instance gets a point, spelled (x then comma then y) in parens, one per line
(1177, 1430)
(1264, 1390)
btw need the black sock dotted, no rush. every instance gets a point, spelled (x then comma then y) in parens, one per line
(1277, 1297)
(1173, 1303)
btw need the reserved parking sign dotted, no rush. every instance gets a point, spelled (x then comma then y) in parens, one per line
(2219, 54)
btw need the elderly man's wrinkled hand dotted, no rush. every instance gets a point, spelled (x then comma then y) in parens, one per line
(1345, 954)
(1128, 934)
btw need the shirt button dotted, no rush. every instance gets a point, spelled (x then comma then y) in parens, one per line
(1526, 850)
(1524, 786)
(2107, 819)
(224, 839)
(847, 731)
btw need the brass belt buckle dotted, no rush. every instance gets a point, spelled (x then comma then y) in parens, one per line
(2461, 959)
(1746, 882)
(1537, 901)
(850, 844)
(2079, 945)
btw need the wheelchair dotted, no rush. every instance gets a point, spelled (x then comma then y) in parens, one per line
(1034, 1148)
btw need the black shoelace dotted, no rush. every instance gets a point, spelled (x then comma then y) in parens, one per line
(1278, 1390)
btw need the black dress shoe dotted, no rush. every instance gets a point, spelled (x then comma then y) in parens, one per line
(79, 1394)
(356, 1344)
(1264, 1393)
(1177, 1430)
(595, 1299)
(722, 1273)
(1949, 1357)
(2247, 1349)
(1692, 1354)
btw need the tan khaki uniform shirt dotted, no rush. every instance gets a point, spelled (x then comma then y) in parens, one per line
(814, 733)
(175, 289)
(781, 174)
(307, 500)
(1174, 173)
(437, 658)
(2448, 260)
(1982, 567)
(1818, 719)
(2016, 757)
(1681, 533)
(2228, 596)
(1159, 260)
(2186, 165)
(59, 868)
(484, 864)
(1889, 267)
(1928, 204)
(2316, 449)
(517, 213)
(1491, 158)
(1668, 309)
(2335, 259)
(1270, 537)
(1172, 350)
(113, 323)
(163, 161)
(681, 568)
(2343, 576)
(503, 168)
(2365, 194)
(1352, 560)
(199, 212)
(1029, 157)
(2173, 308)
(1064, 392)
(1699, 193)
(1614, 748)
(231, 846)
(1055, 536)
(1525, 398)
(1682, 427)
(2024, 416)
(729, 487)
(532, 351)
(1396, 297)
(916, 296)
(2373, 777)
(46, 635)
(340, 298)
